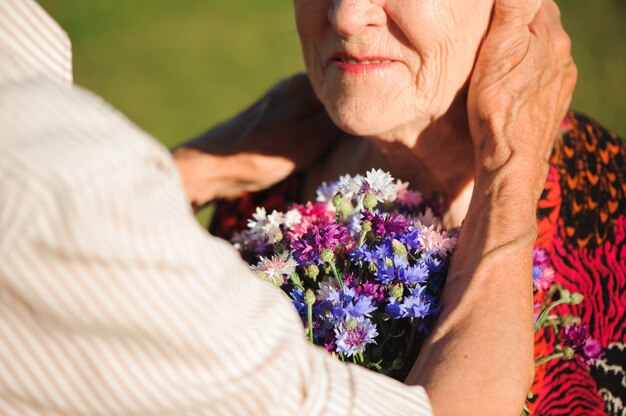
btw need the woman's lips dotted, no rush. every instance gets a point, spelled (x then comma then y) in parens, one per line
(349, 63)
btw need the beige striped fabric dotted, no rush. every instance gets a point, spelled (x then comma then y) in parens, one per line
(27, 32)
(113, 301)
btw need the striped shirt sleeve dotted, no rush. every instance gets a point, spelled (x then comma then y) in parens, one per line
(28, 33)
(113, 301)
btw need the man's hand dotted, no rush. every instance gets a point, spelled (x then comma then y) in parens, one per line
(521, 88)
(286, 131)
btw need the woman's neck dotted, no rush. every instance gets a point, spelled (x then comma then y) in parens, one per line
(436, 159)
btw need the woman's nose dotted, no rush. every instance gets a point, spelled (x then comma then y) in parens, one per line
(349, 17)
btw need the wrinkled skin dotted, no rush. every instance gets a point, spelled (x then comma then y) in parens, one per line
(431, 45)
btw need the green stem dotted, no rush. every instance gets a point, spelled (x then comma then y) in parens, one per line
(362, 237)
(336, 273)
(309, 315)
(296, 281)
(544, 313)
(544, 360)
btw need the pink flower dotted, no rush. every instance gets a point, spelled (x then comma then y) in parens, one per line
(318, 214)
(406, 197)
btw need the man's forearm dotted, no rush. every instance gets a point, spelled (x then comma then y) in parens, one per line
(485, 331)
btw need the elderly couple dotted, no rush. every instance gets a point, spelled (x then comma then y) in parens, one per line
(114, 301)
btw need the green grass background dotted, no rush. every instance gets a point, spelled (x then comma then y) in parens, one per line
(177, 67)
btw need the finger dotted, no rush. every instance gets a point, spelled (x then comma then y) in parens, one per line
(548, 13)
(514, 13)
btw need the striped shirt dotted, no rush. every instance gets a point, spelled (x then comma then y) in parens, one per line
(113, 300)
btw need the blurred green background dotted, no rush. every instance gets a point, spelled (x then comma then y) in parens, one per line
(178, 67)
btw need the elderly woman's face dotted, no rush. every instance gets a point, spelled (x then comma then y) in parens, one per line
(383, 65)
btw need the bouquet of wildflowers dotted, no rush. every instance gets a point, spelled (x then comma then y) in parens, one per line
(364, 266)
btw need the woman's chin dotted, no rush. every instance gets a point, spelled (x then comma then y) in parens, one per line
(361, 124)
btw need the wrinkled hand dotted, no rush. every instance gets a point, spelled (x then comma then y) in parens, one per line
(286, 131)
(520, 89)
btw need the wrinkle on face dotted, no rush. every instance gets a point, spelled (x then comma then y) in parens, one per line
(432, 38)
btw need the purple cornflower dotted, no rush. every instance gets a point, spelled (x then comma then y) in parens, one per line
(543, 274)
(540, 257)
(373, 290)
(587, 349)
(386, 225)
(352, 336)
(543, 277)
(307, 248)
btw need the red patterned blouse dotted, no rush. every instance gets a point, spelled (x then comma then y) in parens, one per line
(582, 227)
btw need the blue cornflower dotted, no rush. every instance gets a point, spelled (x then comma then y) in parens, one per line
(399, 269)
(349, 304)
(363, 254)
(418, 304)
(394, 308)
(383, 249)
(411, 240)
(433, 263)
(537, 273)
(353, 335)
(297, 298)
(417, 273)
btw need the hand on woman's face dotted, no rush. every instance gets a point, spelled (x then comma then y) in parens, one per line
(381, 66)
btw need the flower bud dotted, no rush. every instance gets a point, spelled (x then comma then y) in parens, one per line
(277, 237)
(309, 297)
(576, 298)
(338, 201)
(397, 291)
(295, 278)
(351, 323)
(327, 255)
(262, 275)
(366, 227)
(369, 201)
(568, 353)
(397, 364)
(372, 268)
(399, 248)
(313, 271)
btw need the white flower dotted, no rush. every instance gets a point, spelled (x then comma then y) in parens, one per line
(267, 226)
(436, 241)
(292, 217)
(326, 192)
(376, 183)
(350, 186)
(381, 185)
(274, 269)
(325, 288)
